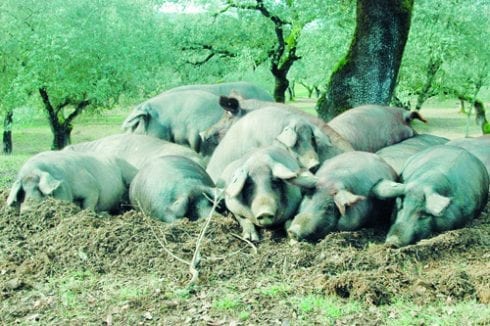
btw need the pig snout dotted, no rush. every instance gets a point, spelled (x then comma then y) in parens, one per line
(301, 227)
(393, 241)
(264, 209)
(27, 206)
(309, 160)
(294, 232)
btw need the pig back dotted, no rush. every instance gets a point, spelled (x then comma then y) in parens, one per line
(372, 127)
(397, 154)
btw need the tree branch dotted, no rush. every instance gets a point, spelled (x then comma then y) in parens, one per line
(213, 52)
(79, 108)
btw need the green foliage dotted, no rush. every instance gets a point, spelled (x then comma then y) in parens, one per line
(80, 50)
(451, 34)
(322, 44)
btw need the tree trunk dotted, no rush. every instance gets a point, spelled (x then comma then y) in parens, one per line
(7, 132)
(291, 91)
(61, 127)
(308, 88)
(280, 88)
(432, 68)
(61, 136)
(461, 104)
(368, 73)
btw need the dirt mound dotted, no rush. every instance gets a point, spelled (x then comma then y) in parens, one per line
(59, 237)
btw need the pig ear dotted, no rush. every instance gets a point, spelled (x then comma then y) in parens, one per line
(388, 189)
(412, 115)
(137, 119)
(12, 198)
(237, 182)
(321, 137)
(288, 136)
(48, 184)
(281, 171)
(345, 198)
(229, 104)
(305, 179)
(435, 204)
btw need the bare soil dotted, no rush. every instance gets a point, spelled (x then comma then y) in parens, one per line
(61, 242)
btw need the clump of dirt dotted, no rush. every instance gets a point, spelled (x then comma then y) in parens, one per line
(59, 237)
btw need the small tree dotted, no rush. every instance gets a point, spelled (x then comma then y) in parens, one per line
(82, 54)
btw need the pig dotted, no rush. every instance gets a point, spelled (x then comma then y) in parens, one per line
(371, 127)
(478, 146)
(442, 188)
(236, 107)
(135, 149)
(243, 89)
(96, 182)
(263, 188)
(178, 117)
(341, 199)
(397, 154)
(172, 187)
(304, 141)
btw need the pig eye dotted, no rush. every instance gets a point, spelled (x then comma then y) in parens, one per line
(276, 184)
(313, 142)
(247, 191)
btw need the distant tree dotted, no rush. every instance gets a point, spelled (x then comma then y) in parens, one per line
(80, 55)
(447, 51)
(368, 73)
(323, 42)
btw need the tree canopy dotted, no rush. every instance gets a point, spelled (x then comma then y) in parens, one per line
(68, 57)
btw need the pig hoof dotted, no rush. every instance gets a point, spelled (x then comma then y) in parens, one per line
(252, 236)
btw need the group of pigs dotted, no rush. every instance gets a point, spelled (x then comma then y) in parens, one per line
(277, 166)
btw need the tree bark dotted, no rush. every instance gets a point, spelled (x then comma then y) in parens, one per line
(432, 68)
(368, 73)
(7, 132)
(61, 127)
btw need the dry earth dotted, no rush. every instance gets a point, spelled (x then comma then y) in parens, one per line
(61, 265)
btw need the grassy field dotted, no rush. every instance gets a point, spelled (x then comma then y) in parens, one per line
(61, 265)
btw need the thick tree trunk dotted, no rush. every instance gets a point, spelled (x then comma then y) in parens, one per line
(7, 132)
(368, 73)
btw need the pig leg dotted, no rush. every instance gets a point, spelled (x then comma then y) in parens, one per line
(90, 201)
(194, 141)
(248, 228)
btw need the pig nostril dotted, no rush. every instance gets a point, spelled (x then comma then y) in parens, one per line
(293, 235)
(393, 242)
(265, 216)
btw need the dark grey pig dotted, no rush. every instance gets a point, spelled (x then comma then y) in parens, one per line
(97, 182)
(134, 148)
(263, 188)
(306, 142)
(236, 107)
(178, 117)
(443, 188)
(396, 155)
(372, 127)
(172, 187)
(478, 146)
(244, 89)
(341, 200)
